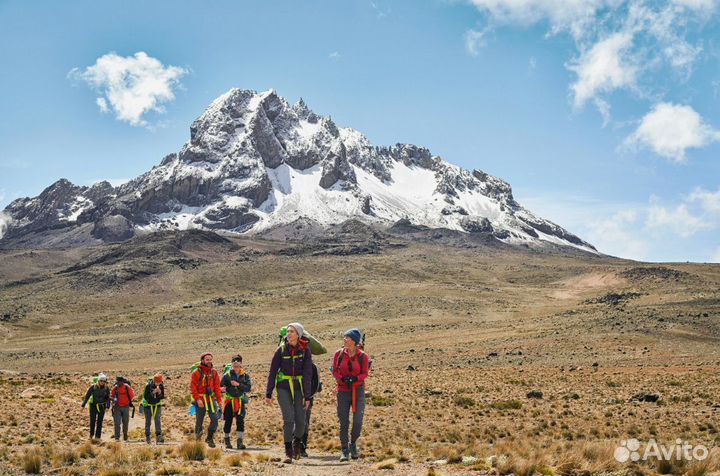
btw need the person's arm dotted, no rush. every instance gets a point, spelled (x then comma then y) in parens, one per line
(131, 394)
(194, 384)
(274, 366)
(162, 391)
(87, 395)
(217, 389)
(307, 374)
(225, 381)
(364, 359)
(245, 384)
(336, 371)
(147, 393)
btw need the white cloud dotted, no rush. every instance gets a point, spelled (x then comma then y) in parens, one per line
(617, 235)
(621, 44)
(474, 40)
(678, 220)
(710, 201)
(670, 130)
(603, 68)
(334, 55)
(131, 86)
(5, 221)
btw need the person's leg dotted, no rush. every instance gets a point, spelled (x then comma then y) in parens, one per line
(299, 409)
(93, 418)
(99, 422)
(148, 422)
(125, 422)
(227, 425)
(199, 418)
(158, 420)
(240, 421)
(306, 433)
(213, 425)
(116, 422)
(344, 404)
(357, 422)
(288, 414)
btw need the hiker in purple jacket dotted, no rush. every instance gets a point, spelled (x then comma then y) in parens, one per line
(291, 373)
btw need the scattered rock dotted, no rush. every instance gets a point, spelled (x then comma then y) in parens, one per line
(537, 394)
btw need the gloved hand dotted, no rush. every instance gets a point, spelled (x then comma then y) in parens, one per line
(82, 405)
(350, 380)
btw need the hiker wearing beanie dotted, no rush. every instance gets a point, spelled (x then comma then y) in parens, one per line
(235, 383)
(350, 368)
(291, 374)
(122, 395)
(207, 397)
(151, 406)
(98, 397)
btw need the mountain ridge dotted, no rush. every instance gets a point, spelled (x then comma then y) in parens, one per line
(255, 162)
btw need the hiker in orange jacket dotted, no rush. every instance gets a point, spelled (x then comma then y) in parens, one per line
(207, 396)
(122, 395)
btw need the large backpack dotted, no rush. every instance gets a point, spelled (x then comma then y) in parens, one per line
(317, 384)
(316, 348)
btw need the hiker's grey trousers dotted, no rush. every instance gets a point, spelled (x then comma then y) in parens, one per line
(293, 413)
(121, 415)
(344, 411)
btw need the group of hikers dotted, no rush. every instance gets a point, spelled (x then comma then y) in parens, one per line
(293, 378)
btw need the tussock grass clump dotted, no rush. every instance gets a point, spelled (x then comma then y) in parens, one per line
(192, 450)
(507, 405)
(464, 401)
(169, 470)
(31, 462)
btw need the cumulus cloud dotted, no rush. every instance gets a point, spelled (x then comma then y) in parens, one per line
(618, 42)
(617, 235)
(131, 86)
(5, 221)
(678, 220)
(474, 40)
(604, 67)
(670, 130)
(709, 201)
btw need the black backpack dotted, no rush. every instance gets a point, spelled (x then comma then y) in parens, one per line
(316, 383)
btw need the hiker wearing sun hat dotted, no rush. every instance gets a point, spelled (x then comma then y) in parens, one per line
(151, 406)
(350, 368)
(98, 397)
(291, 374)
(207, 396)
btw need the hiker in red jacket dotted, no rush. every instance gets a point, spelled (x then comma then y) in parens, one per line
(207, 396)
(350, 368)
(121, 396)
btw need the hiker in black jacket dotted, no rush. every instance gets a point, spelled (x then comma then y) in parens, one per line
(98, 397)
(235, 384)
(153, 401)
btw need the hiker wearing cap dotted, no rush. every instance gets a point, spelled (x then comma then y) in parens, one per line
(122, 396)
(207, 396)
(151, 406)
(350, 368)
(291, 375)
(98, 397)
(235, 383)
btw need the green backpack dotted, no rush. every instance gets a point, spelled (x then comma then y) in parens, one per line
(316, 348)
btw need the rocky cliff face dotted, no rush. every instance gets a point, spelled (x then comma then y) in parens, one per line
(255, 162)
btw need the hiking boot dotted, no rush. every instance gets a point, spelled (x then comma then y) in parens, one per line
(354, 453)
(288, 453)
(159, 438)
(303, 446)
(147, 438)
(296, 448)
(209, 441)
(345, 454)
(240, 444)
(125, 437)
(227, 442)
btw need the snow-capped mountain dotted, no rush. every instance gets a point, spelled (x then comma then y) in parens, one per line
(255, 162)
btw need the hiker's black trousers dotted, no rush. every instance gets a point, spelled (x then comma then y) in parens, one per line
(96, 420)
(229, 415)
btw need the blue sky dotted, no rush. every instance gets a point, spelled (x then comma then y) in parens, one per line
(602, 114)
